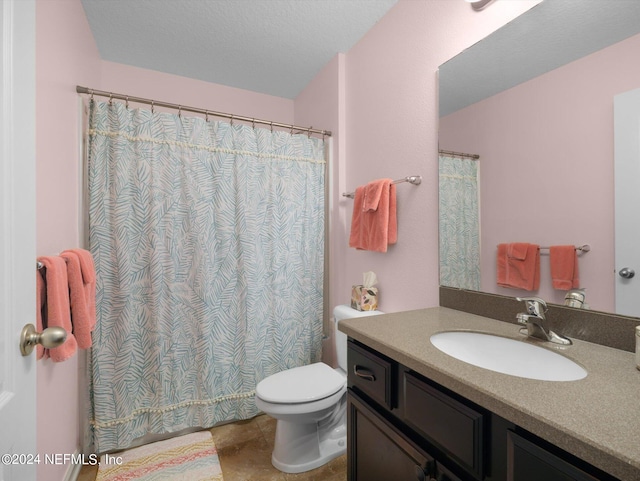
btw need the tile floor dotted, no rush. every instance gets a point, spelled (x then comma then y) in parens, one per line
(244, 449)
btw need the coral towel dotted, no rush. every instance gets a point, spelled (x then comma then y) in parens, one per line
(82, 293)
(564, 267)
(40, 306)
(374, 224)
(518, 266)
(57, 305)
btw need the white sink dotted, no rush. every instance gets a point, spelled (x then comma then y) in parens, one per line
(508, 356)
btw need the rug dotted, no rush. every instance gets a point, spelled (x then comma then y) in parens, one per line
(192, 457)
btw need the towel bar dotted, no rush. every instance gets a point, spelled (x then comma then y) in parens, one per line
(582, 248)
(412, 179)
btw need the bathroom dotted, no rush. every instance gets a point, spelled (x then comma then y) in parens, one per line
(379, 99)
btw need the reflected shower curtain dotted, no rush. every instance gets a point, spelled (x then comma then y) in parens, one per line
(208, 239)
(459, 223)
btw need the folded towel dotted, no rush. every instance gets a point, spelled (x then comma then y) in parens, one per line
(564, 267)
(40, 306)
(82, 293)
(375, 227)
(58, 311)
(518, 266)
(372, 194)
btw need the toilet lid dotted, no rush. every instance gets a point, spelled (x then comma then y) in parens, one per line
(301, 384)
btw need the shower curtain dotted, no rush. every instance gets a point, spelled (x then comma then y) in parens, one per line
(208, 239)
(459, 223)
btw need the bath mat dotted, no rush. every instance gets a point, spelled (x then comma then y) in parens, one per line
(192, 457)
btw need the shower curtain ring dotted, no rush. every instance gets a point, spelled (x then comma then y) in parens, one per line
(291, 132)
(179, 111)
(206, 116)
(127, 102)
(91, 98)
(253, 124)
(271, 124)
(110, 99)
(231, 120)
(152, 102)
(309, 132)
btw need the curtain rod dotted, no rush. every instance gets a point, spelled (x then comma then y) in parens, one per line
(459, 154)
(180, 108)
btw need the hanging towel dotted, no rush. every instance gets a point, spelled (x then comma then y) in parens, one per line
(518, 266)
(564, 267)
(82, 294)
(374, 224)
(41, 352)
(58, 311)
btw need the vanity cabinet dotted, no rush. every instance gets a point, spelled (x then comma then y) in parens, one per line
(403, 426)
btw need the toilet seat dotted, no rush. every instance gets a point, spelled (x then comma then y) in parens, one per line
(302, 384)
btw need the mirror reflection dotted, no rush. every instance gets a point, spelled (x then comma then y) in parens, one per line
(535, 101)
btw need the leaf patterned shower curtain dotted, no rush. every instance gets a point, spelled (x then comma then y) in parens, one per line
(459, 223)
(208, 240)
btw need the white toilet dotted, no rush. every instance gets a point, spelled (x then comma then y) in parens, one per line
(309, 403)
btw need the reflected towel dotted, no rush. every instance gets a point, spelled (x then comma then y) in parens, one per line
(376, 227)
(518, 266)
(564, 267)
(82, 294)
(58, 310)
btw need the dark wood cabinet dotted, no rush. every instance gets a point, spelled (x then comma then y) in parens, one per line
(378, 451)
(529, 461)
(403, 426)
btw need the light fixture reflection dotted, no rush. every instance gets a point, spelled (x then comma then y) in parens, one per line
(479, 4)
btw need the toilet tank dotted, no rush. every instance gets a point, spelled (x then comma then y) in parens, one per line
(345, 312)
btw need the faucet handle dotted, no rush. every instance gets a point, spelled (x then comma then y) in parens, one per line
(535, 305)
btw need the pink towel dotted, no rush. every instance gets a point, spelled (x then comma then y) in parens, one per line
(40, 306)
(564, 267)
(518, 266)
(57, 311)
(374, 224)
(82, 294)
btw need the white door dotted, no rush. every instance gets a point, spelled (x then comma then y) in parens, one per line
(17, 240)
(627, 188)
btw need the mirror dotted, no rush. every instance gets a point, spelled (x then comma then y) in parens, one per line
(535, 101)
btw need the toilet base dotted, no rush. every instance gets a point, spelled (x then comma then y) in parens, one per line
(303, 447)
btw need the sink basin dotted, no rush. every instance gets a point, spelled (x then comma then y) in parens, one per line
(508, 356)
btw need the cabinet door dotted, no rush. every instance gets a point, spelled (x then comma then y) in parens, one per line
(377, 451)
(527, 461)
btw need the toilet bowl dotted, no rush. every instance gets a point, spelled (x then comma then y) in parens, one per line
(309, 403)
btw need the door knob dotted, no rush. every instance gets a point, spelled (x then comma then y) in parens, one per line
(627, 273)
(50, 337)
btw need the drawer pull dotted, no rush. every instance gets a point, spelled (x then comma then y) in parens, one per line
(363, 373)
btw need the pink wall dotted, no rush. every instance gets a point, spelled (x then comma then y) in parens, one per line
(391, 130)
(321, 104)
(554, 134)
(194, 93)
(65, 55)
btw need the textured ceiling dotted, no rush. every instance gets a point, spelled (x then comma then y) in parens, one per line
(274, 47)
(546, 37)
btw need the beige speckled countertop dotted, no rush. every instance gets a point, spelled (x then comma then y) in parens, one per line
(596, 418)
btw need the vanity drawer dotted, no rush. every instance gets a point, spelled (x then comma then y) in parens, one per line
(371, 373)
(448, 423)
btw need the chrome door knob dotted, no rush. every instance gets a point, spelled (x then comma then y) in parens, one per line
(627, 273)
(49, 338)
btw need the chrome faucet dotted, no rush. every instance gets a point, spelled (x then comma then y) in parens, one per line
(534, 320)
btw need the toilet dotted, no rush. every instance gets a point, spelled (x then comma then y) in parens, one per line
(310, 405)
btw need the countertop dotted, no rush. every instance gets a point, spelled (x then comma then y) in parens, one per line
(596, 418)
